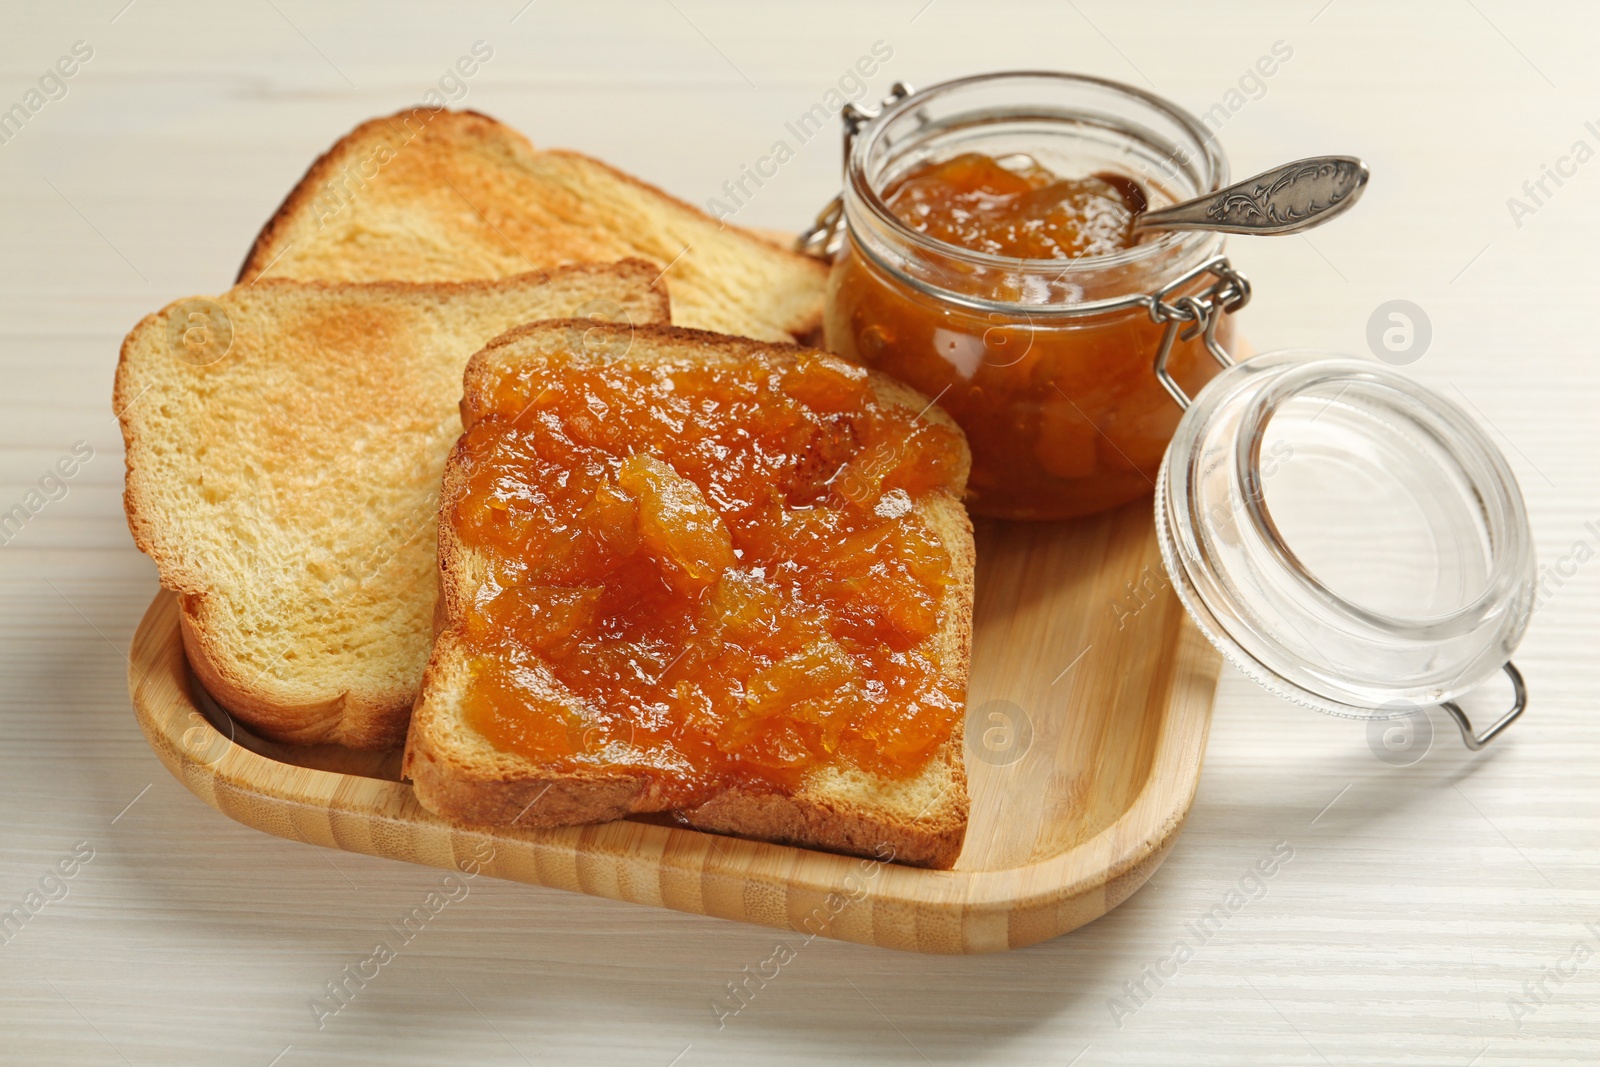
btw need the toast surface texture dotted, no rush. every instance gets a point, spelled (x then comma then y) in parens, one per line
(454, 195)
(285, 443)
(458, 773)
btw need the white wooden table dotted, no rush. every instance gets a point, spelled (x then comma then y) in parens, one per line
(1430, 913)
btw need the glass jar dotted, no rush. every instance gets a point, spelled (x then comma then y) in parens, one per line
(1044, 363)
(1345, 536)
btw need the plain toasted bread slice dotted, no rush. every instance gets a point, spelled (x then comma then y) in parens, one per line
(457, 772)
(443, 195)
(285, 442)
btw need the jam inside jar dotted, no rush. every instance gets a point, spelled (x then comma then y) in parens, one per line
(990, 262)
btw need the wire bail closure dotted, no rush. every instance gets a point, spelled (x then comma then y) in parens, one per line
(1519, 701)
(1229, 293)
(825, 235)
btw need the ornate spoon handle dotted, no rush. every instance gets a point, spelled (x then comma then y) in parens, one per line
(1286, 199)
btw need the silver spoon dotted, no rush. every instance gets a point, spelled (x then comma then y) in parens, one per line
(1286, 199)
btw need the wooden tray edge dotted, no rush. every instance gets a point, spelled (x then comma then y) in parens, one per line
(815, 894)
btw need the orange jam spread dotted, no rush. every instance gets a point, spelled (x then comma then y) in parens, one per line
(709, 573)
(1020, 210)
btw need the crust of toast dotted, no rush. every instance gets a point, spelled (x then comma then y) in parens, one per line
(456, 772)
(789, 283)
(169, 477)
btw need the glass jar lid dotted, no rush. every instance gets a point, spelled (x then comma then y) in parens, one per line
(1347, 537)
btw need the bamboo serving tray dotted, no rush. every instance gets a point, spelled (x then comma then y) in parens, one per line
(1088, 708)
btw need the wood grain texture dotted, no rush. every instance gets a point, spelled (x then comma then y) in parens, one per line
(1103, 711)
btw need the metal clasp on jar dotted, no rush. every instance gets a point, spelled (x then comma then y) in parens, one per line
(824, 236)
(1229, 293)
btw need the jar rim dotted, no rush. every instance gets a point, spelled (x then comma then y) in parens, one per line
(1173, 243)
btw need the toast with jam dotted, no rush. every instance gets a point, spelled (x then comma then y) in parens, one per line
(693, 573)
(439, 195)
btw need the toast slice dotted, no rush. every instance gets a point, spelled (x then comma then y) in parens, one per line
(285, 443)
(604, 751)
(427, 195)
